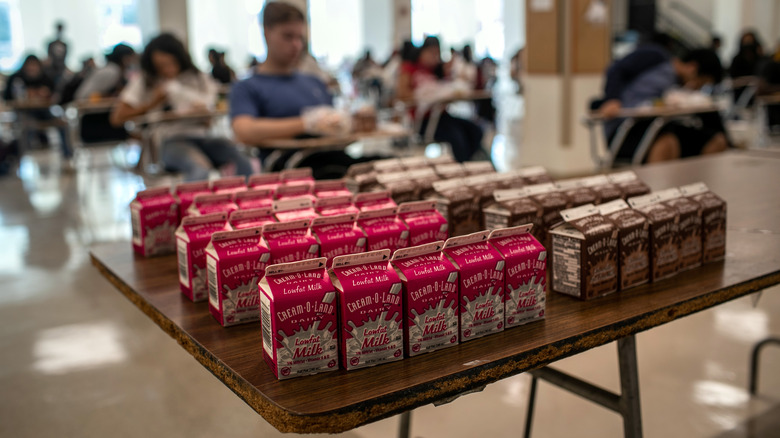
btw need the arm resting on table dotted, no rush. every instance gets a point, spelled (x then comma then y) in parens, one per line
(252, 130)
(122, 112)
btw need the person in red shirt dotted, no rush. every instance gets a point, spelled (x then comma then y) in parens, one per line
(464, 136)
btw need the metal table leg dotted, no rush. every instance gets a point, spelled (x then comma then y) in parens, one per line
(405, 425)
(754, 362)
(626, 404)
(529, 415)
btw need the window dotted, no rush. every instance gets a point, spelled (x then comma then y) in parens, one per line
(118, 21)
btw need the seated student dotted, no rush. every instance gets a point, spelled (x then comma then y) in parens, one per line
(30, 83)
(270, 104)
(464, 136)
(650, 77)
(170, 81)
(220, 71)
(769, 84)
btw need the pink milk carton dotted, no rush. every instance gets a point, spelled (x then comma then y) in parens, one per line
(525, 278)
(192, 238)
(185, 194)
(264, 181)
(290, 176)
(430, 298)
(293, 209)
(338, 235)
(254, 198)
(383, 229)
(425, 223)
(236, 261)
(374, 200)
(331, 187)
(231, 184)
(299, 319)
(252, 218)
(214, 203)
(154, 217)
(290, 241)
(335, 205)
(370, 309)
(294, 190)
(481, 270)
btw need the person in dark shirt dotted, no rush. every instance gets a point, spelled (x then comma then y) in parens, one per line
(57, 52)
(769, 84)
(220, 71)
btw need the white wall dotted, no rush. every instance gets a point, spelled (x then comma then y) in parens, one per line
(378, 28)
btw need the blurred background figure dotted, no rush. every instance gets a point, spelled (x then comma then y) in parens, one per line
(220, 70)
(57, 53)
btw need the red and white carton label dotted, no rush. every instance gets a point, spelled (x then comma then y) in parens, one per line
(525, 276)
(235, 261)
(154, 217)
(192, 238)
(371, 309)
(294, 190)
(185, 194)
(290, 241)
(232, 185)
(338, 235)
(296, 175)
(254, 198)
(214, 203)
(430, 298)
(264, 181)
(331, 188)
(374, 200)
(252, 218)
(383, 229)
(293, 209)
(298, 306)
(335, 205)
(481, 270)
(425, 223)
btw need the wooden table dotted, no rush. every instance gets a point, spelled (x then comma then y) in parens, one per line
(339, 401)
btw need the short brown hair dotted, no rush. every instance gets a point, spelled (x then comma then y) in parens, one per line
(279, 12)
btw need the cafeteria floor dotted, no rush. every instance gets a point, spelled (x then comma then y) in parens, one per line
(78, 359)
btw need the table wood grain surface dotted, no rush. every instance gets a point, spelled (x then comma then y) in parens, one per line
(339, 401)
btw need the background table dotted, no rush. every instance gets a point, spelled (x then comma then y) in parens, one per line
(339, 401)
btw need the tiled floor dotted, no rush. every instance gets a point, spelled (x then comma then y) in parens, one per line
(78, 359)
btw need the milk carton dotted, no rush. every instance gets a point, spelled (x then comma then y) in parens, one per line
(290, 241)
(192, 238)
(264, 181)
(294, 209)
(298, 305)
(689, 227)
(330, 188)
(401, 186)
(478, 167)
(605, 190)
(713, 215)
(232, 184)
(374, 200)
(254, 198)
(235, 261)
(252, 218)
(370, 309)
(534, 175)
(383, 229)
(513, 208)
(154, 218)
(629, 184)
(338, 235)
(426, 224)
(335, 205)
(290, 176)
(577, 192)
(459, 204)
(430, 298)
(185, 194)
(481, 271)
(214, 203)
(664, 235)
(525, 277)
(633, 242)
(294, 190)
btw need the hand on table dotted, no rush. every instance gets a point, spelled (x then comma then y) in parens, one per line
(610, 109)
(325, 120)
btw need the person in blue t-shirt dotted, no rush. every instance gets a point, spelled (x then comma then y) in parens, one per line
(278, 101)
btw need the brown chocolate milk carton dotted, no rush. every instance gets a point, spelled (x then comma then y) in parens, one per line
(577, 192)
(252, 218)
(459, 205)
(478, 167)
(298, 306)
(552, 201)
(483, 185)
(713, 220)
(629, 183)
(384, 229)
(388, 165)
(481, 272)
(450, 170)
(526, 274)
(423, 179)
(414, 162)
(633, 242)
(401, 187)
(513, 208)
(235, 262)
(534, 175)
(370, 309)
(664, 235)
(154, 218)
(585, 254)
(426, 224)
(185, 194)
(605, 191)
(689, 226)
(430, 298)
(192, 238)
(361, 177)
